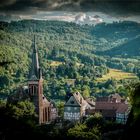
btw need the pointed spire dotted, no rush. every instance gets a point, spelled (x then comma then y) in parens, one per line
(34, 45)
(35, 63)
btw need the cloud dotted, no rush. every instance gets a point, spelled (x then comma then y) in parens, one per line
(7, 2)
(116, 7)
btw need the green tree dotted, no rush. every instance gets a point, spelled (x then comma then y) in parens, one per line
(81, 132)
(23, 109)
(60, 106)
(86, 91)
(95, 120)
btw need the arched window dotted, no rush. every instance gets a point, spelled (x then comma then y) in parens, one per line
(31, 90)
(46, 113)
(43, 115)
(49, 113)
(35, 90)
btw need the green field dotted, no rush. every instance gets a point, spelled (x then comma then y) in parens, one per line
(55, 63)
(118, 75)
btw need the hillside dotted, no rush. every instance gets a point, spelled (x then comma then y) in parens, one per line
(73, 36)
(68, 51)
(127, 49)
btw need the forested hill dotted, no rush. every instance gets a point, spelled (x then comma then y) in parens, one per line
(100, 37)
(129, 48)
(67, 51)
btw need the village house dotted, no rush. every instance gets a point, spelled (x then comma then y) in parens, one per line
(113, 108)
(122, 113)
(76, 107)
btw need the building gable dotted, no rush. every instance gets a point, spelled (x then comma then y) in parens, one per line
(72, 102)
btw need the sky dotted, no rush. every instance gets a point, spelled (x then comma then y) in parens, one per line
(37, 9)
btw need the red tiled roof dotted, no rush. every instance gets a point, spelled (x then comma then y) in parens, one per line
(115, 97)
(112, 98)
(90, 101)
(108, 108)
(79, 99)
(122, 108)
(103, 99)
(106, 105)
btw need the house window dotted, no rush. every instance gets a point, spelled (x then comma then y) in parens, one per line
(68, 108)
(32, 90)
(75, 108)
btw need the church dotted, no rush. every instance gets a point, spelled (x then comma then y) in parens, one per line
(35, 85)
(45, 109)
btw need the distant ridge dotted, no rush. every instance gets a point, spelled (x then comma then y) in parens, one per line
(130, 48)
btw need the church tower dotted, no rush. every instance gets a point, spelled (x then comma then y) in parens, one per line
(35, 84)
(44, 108)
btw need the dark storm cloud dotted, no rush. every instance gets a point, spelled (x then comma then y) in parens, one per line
(126, 7)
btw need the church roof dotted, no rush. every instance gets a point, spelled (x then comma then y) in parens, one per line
(91, 102)
(53, 104)
(35, 70)
(45, 101)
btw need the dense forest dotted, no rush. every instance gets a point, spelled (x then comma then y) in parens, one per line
(73, 57)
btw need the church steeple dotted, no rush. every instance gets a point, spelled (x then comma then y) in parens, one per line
(35, 84)
(35, 72)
